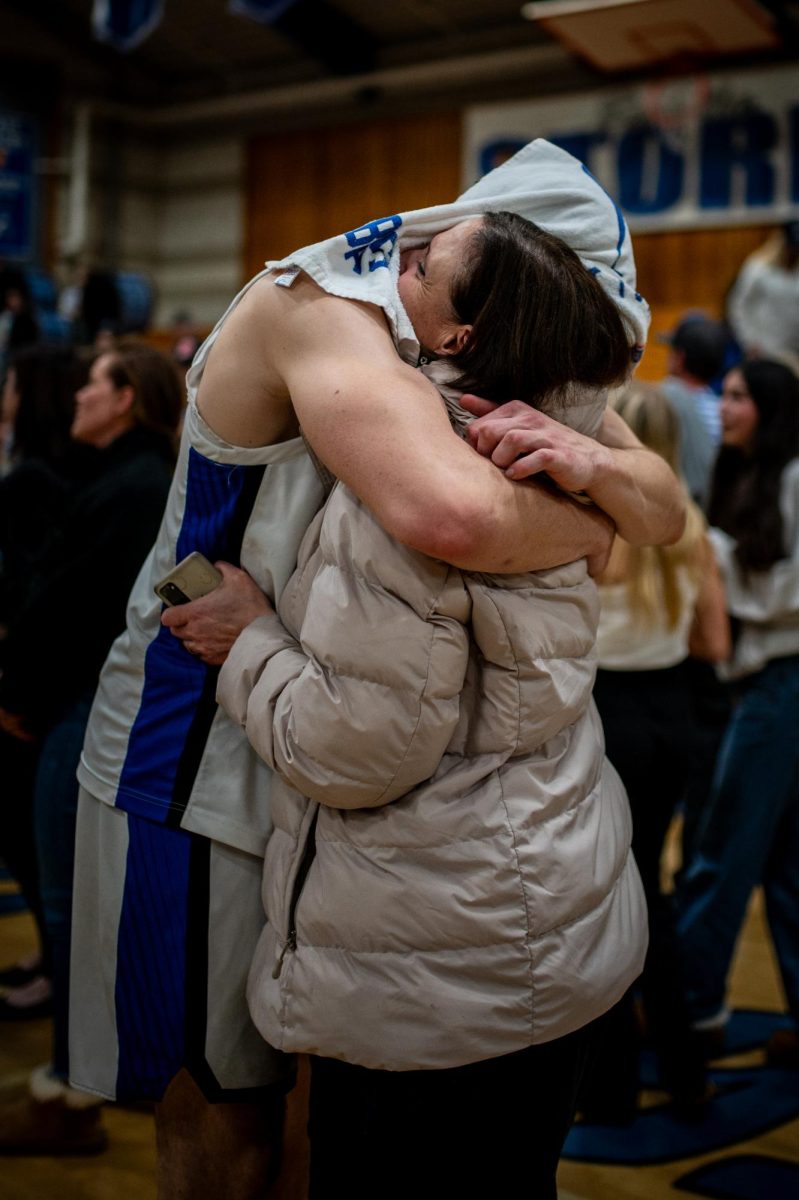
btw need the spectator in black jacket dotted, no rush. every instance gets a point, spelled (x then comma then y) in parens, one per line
(129, 411)
(43, 466)
(18, 325)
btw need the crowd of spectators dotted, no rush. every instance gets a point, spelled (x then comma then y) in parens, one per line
(698, 654)
(89, 437)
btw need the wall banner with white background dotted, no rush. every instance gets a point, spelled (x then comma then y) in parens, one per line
(704, 150)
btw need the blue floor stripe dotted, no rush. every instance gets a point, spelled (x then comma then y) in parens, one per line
(743, 1177)
(12, 902)
(751, 1101)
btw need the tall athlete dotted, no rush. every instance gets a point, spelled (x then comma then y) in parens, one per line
(174, 810)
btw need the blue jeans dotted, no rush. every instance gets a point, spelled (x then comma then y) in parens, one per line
(55, 808)
(750, 836)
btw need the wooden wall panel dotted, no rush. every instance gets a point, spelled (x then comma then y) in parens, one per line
(685, 269)
(310, 185)
(303, 187)
(693, 267)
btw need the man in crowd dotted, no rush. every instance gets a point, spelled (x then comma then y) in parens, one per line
(696, 356)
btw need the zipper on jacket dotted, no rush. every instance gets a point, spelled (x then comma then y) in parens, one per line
(308, 855)
(289, 944)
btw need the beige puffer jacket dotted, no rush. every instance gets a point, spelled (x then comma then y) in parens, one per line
(449, 878)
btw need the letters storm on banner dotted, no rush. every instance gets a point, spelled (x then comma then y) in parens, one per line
(722, 150)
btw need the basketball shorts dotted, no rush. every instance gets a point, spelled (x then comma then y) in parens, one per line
(164, 927)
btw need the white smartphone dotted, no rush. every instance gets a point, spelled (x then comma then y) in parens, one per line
(193, 577)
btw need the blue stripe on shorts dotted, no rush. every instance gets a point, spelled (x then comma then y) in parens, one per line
(150, 993)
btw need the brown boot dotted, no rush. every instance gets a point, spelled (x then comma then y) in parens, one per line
(51, 1118)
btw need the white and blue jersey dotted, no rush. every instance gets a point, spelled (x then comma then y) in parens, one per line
(155, 735)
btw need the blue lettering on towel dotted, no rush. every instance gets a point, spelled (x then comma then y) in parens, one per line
(377, 240)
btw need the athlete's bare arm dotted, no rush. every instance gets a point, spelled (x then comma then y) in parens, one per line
(242, 397)
(379, 425)
(633, 484)
(639, 486)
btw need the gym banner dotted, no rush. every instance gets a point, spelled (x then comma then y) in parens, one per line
(676, 154)
(265, 11)
(18, 186)
(125, 24)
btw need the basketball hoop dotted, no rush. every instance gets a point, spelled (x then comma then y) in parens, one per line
(673, 105)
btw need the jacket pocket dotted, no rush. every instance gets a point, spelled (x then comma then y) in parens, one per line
(308, 855)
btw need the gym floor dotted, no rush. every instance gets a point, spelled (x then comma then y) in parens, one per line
(666, 1152)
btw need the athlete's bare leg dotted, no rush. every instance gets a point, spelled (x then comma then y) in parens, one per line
(205, 1151)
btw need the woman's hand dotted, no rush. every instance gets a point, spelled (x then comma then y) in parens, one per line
(208, 627)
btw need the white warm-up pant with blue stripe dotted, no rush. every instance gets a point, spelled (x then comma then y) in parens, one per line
(159, 970)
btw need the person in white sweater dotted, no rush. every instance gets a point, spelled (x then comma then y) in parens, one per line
(763, 304)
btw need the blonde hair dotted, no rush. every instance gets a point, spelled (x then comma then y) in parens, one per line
(651, 573)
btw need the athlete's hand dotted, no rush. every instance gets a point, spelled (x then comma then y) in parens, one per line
(208, 627)
(522, 442)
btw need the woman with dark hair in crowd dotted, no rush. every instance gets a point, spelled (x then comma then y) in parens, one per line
(39, 402)
(43, 462)
(18, 325)
(750, 832)
(129, 412)
(43, 466)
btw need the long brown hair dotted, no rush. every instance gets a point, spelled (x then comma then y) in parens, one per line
(47, 378)
(745, 493)
(540, 320)
(652, 572)
(157, 390)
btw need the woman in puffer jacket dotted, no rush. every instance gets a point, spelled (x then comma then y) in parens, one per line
(450, 894)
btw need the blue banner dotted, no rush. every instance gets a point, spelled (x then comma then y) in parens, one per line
(124, 24)
(264, 11)
(17, 186)
(679, 153)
